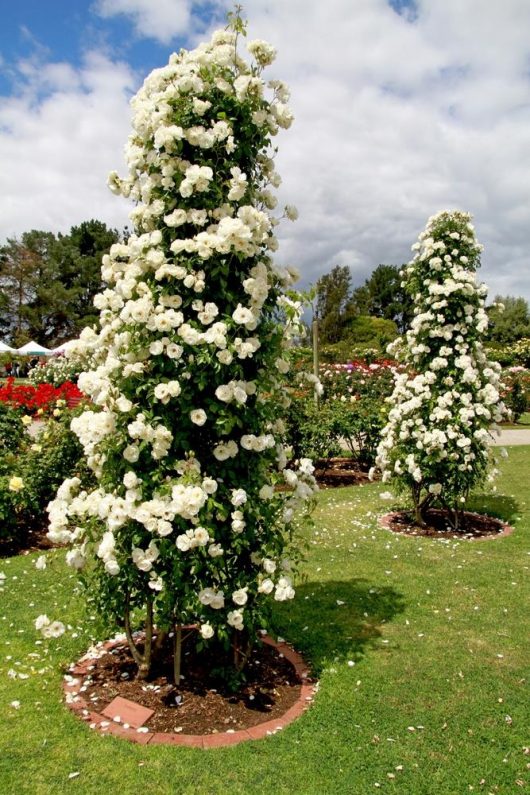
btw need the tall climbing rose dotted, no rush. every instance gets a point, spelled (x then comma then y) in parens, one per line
(436, 442)
(188, 368)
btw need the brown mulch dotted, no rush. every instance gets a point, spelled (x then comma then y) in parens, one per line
(472, 526)
(330, 472)
(202, 705)
(26, 541)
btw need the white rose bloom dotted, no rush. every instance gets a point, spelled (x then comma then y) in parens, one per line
(130, 480)
(225, 450)
(209, 485)
(75, 558)
(284, 590)
(235, 619)
(218, 601)
(112, 567)
(240, 395)
(156, 583)
(225, 357)
(266, 586)
(240, 597)
(131, 453)
(198, 416)
(239, 497)
(183, 542)
(123, 404)
(162, 393)
(106, 546)
(174, 388)
(174, 351)
(207, 631)
(164, 528)
(224, 392)
(156, 348)
(242, 315)
(215, 550)
(201, 536)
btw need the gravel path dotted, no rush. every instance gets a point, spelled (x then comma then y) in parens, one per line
(512, 436)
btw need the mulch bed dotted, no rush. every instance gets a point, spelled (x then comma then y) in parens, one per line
(276, 683)
(474, 526)
(26, 541)
(331, 472)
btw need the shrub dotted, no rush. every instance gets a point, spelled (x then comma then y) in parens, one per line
(55, 455)
(311, 428)
(517, 395)
(31, 470)
(56, 370)
(351, 412)
(11, 429)
(189, 365)
(41, 399)
(435, 445)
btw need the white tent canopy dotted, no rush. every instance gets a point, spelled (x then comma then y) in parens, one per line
(33, 349)
(63, 347)
(6, 349)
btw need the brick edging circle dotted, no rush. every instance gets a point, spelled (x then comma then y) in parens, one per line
(507, 529)
(73, 683)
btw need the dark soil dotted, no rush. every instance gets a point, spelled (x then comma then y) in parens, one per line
(26, 541)
(472, 525)
(331, 472)
(202, 704)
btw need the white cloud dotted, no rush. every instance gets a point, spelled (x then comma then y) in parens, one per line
(59, 138)
(395, 120)
(158, 19)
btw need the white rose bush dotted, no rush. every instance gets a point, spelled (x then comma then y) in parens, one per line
(187, 524)
(435, 445)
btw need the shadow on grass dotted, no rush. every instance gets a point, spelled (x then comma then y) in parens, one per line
(498, 505)
(337, 619)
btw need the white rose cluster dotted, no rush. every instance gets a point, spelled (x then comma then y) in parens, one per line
(187, 367)
(436, 442)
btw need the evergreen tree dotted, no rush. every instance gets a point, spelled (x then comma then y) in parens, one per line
(333, 292)
(509, 319)
(382, 295)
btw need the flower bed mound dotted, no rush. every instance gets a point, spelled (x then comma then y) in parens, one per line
(203, 704)
(330, 472)
(438, 525)
(26, 541)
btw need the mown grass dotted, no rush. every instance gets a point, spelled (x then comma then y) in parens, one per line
(420, 646)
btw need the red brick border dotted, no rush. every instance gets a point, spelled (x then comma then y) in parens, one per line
(386, 522)
(72, 687)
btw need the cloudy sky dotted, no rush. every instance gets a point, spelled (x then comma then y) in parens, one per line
(403, 108)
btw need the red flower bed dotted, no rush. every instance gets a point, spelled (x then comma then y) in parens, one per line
(44, 396)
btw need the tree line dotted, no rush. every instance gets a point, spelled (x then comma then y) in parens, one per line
(380, 309)
(48, 282)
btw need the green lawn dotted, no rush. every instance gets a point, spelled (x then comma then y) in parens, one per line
(420, 646)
